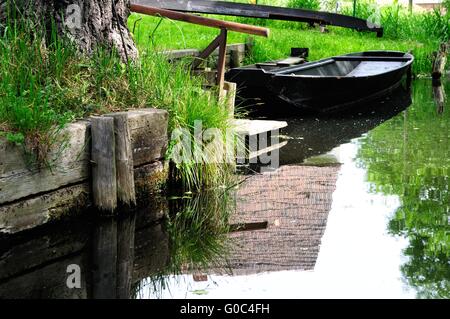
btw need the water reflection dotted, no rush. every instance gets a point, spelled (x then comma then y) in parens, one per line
(409, 156)
(197, 227)
(357, 203)
(112, 255)
(311, 136)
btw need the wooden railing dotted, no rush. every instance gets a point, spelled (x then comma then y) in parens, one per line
(220, 41)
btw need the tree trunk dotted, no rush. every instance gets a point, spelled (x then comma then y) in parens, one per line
(88, 23)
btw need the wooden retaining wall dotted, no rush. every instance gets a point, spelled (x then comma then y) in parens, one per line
(31, 195)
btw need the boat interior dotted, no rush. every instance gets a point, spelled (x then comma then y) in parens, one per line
(352, 65)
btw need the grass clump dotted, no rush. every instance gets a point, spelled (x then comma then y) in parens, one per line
(45, 84)
(399, 23)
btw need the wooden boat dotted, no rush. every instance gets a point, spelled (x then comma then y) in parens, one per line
(329, 85)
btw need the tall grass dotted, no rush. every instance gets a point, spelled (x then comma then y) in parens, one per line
(46, 84)
(399, 23)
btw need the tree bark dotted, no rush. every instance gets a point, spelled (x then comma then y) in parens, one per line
(88, 23)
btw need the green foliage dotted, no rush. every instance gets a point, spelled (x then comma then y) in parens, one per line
(409, 156)
(446, 4)
(45, 86)
(304, 4)
(399, 23)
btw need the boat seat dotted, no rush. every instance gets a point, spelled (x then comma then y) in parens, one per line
(265, 64)
(290, 61)
(368, 68)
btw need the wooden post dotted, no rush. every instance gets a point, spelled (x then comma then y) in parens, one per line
(230, 96)
(249, 45)
(124, 160)
(222, 60)
(237, 56)
(440, 61)
(103, 159)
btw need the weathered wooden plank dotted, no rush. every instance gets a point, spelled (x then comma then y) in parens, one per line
(148, 130)
(230, 97)
(149, 178)
(179, 54)
(183, 53)
(68, 158)
(124, 160)
(104, 186)
(30, 196)
(72, 200)
(41, 209)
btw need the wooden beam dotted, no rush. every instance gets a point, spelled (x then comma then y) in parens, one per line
(221, 61)
(214, 23)
(104, 185)
(124, 160)
(206, 52)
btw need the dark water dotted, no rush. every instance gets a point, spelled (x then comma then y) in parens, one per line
(358, 208)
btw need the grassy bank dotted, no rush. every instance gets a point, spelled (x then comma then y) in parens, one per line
(420, 33)
(43, 87)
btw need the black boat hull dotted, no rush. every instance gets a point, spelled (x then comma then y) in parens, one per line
(317, 94)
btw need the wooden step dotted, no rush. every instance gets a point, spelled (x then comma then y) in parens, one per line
(290, 61)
